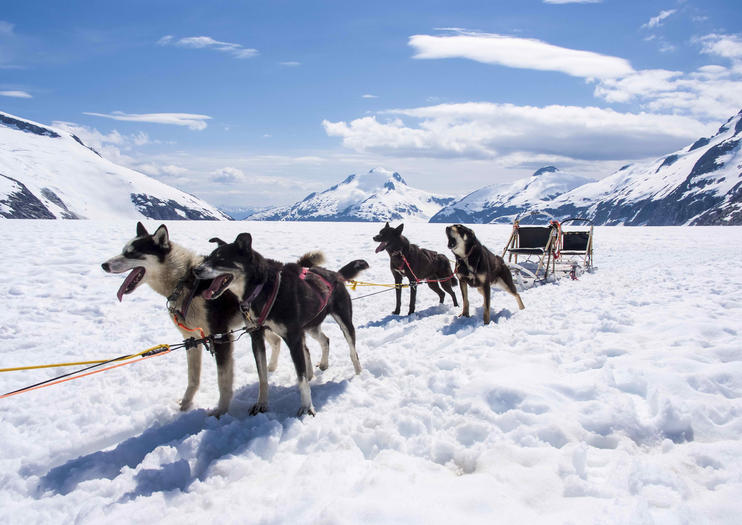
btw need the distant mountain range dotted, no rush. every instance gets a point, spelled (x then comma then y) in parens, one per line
(504, 202)
(47, 173)
(379, 195)
(700, 184)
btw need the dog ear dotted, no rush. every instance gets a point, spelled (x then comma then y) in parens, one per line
(141, 230)
(244, 242)
(387, 224)
(400, 228)
(161, 237)
(218, 241)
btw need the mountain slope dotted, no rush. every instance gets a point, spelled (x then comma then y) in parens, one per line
(700, 184)
(504, 202)
(379, 195)
(46, 173)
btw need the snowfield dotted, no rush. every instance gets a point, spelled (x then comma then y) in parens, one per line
(616, 398)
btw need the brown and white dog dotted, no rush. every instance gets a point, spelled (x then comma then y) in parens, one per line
(478, 267)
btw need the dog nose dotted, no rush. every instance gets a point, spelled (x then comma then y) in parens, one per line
(106, 267)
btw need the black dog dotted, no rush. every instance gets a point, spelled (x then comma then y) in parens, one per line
(478, 267)
(415, 263)
(288, 299)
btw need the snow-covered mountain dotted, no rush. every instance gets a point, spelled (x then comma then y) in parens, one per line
(700, 184)
(504, 202)
(48, 173)
(379, 195)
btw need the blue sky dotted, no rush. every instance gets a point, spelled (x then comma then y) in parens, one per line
(257, 103)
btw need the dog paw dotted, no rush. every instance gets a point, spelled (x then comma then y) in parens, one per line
(185, 404)
(272, 368)
(306, 410)
(395, 312)
(216, 412)
(464, 314)
(258, 408)
(323, 366)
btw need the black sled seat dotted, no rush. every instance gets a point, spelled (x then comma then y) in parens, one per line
(536, 246)
(577, 245)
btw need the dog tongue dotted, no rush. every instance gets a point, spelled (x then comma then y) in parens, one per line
(381, 247)
(136, 273)
(216, 285)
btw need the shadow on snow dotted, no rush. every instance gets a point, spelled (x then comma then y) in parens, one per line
(234, 433)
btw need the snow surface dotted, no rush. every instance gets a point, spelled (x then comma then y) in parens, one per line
(616, 398)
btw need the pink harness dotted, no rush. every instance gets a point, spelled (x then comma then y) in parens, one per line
(324, 298)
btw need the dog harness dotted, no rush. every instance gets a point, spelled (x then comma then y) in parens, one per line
(324, 298)
(247, 304)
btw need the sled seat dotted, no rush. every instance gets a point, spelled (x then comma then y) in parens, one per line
(529, 240)
(575, 243)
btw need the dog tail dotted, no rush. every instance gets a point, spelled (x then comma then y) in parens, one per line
(310, 259)
(352, 269)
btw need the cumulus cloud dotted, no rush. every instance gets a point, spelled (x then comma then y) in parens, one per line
(487, 130)
(15, 94)
(228, 175)
(190, 120)
(656, 21)
(206, 42)
(519, 52)
(727, 46)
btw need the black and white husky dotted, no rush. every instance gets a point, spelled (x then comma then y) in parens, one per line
(288, 299)
(478, 267)
(168, 269)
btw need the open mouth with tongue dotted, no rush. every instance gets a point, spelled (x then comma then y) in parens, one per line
(217, 287)
(381, 247)
(131, 282)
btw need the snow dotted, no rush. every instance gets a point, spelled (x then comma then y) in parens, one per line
(616, 398)
(524, 194)
(378, 195)
(89, 185)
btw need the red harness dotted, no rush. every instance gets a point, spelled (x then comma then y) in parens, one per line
(324, 298)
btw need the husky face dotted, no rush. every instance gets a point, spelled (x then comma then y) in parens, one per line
(459, 237)
(144, 252)
(389, 237)
(228, 267)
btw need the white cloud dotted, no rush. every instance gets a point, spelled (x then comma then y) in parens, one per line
(192, 121)
(228, 175)
(727, 46)
(206, 42)
(368, 95)
(485, 130)
(519, 52)
(656, 21)
(290, 63)
(15, 94)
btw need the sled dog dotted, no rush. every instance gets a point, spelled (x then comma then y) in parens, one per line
(168, 268)
(478, 267)
(411, 261)
(288, 299)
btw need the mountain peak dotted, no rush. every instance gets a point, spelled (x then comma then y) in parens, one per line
(377, 195)
(545, 169)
